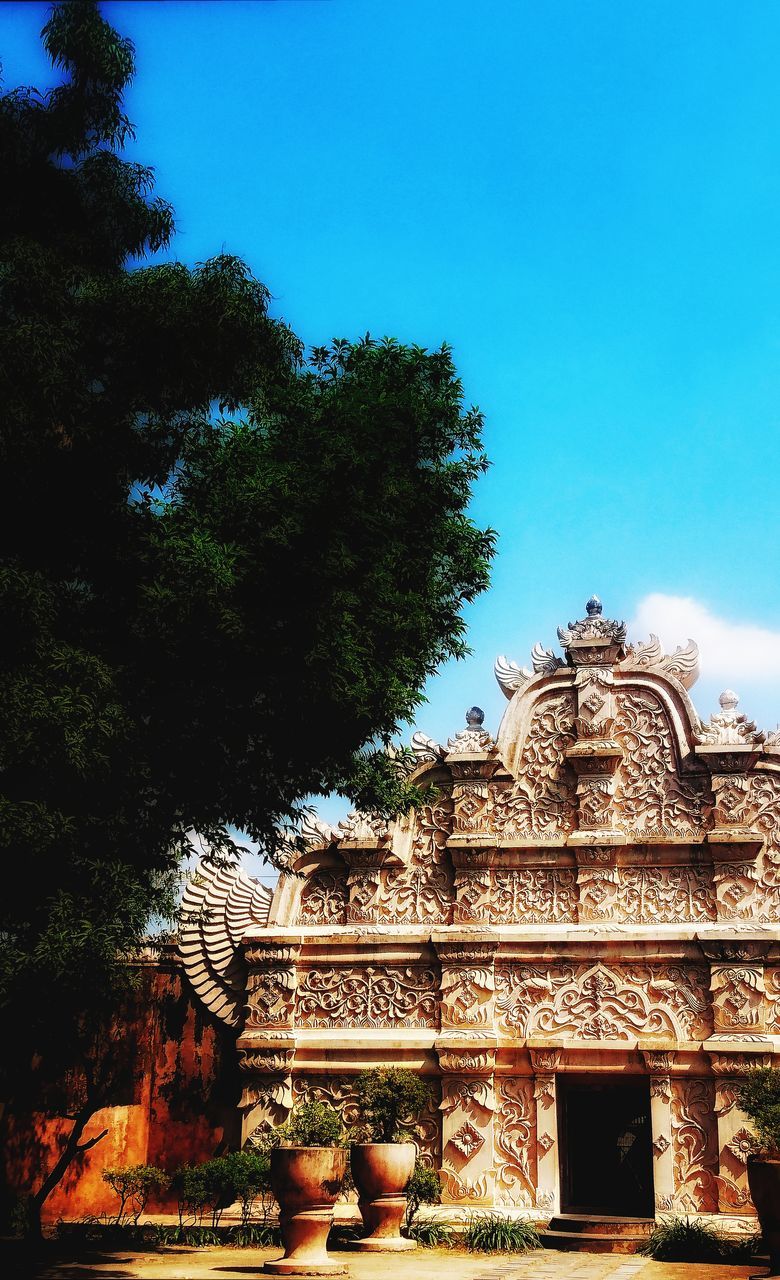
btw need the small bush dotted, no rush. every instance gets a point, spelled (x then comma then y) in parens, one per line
(423, 1187)
(429, 1232)
(389, 1101)
(248, 1180)
(134, 1186)
(312, 1124)
(681, 1240)
(759, 1098)
(494, 1233)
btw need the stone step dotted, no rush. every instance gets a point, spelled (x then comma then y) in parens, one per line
(601, 1224)
(591, 1242)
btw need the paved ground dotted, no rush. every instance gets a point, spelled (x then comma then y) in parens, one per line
(181, 1263)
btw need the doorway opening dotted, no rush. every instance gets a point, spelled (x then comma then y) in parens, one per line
(605, 1146)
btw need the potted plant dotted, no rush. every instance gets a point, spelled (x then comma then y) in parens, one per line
(389, 1101)
(759, 1098)
(307, 1172)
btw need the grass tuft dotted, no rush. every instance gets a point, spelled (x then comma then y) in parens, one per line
(686, 1240)
(494, 1233)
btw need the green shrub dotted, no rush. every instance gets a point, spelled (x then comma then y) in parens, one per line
(429, 1232)
(389, 1101)
(312, 1124)
(759, 1098)
(248, 1180)
(494, 1233)
(423, 1187)
(682, 1240)
(134, 1185)
(192, 1192)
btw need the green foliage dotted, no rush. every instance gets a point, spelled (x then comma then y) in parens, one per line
(133, 1186)
(389, 1101)
(312, 1124)
(759, 1098)
(249, 1175)
(207, 540)
(689, 1240)
(423, 1187)
(430, 1233)
(494, 1233)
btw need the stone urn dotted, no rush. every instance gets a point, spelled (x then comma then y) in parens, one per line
(763, 1173)
(306, 1182)
(381, 1171)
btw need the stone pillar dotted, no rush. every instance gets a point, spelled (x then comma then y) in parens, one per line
(466, 1049)
(468, 1107)
(266, 1045)
(545, 1063)
(659, 1064)
(736, 1140)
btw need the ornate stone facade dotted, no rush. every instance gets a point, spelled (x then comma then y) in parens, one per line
(592, 897)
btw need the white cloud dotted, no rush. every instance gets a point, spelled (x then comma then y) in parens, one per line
(730, 652)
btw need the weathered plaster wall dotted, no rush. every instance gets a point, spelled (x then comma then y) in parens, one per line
(178, 1103)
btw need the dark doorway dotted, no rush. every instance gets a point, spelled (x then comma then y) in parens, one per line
(605, 1144)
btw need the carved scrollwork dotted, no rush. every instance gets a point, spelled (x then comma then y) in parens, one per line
(694, 1138)
(323, 899)
(374, 996)
(541, 800)
(533, 895)
(651, 798)
(599, 1002)
(666, 895)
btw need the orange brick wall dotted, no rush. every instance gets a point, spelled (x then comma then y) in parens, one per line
(180, 1107)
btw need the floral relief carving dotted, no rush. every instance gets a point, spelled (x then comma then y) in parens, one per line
(772, 996)
(323, 899)
(466, 995)
(534, 895)
(738, 995)
(542, 798)
(515, 1139)
(375, 996)
(271, 997)
(666, 895)
(694, 1138)
(598, 893)
(600, 1002)
(650, 796)
(472, 890)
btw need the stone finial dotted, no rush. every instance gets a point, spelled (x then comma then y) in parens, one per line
(593, 627)
(473, 737)
(727, 727)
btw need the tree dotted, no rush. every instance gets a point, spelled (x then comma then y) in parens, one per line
(226, 567)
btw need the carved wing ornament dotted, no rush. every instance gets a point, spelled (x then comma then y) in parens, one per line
(219, 905)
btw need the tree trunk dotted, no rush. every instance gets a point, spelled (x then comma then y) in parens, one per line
(70, 1151)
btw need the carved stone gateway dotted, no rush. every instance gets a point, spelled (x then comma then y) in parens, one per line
(591, 896)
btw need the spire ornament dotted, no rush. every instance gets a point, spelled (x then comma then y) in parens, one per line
(727, 727)
(593, 640)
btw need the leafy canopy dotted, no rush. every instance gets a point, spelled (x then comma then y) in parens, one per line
(226, 567)
(389, 1101)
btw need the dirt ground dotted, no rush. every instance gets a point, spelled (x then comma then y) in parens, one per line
(179, 1262)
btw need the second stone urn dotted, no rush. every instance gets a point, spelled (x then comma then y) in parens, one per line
(381, 1171)
(306, 1182)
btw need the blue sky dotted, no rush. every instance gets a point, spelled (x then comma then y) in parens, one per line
(584, 200)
